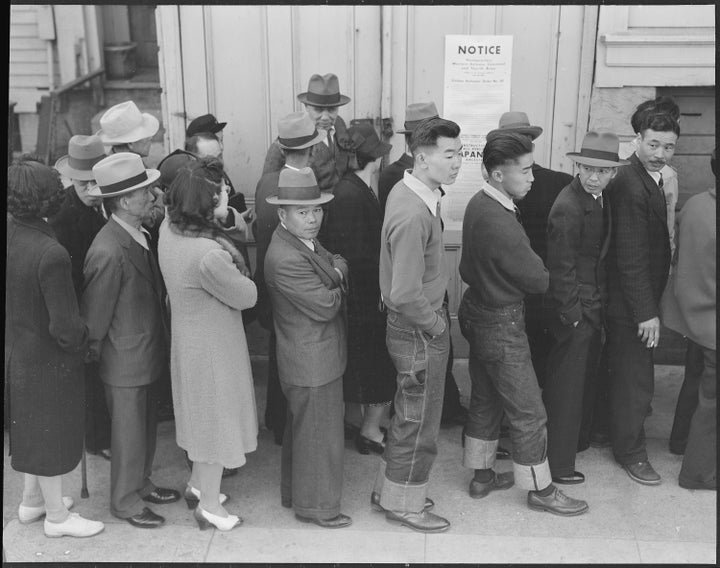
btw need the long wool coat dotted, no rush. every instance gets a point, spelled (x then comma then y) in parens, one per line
(212, 385)
(45, 342)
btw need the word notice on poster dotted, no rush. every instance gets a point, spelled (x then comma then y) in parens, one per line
(477, 92)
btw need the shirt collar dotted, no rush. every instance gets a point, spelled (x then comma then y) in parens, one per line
(431, 197)
(137, 234)
(501, 198)
(308, 243)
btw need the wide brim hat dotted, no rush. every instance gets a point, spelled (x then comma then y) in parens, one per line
(516, 121)
(204, 123)
(599, 149)
(297, 131)
(298, 187)
(121, 173)
(362, 139)
(83, 153)
(124, 124)
(323, 91)
(415, 114)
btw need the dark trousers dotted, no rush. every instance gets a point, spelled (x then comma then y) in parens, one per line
(632, 385)
(569, 390)
(699, 468)
(688, 398)
(597, 422)
(311, 468)
(133, 437)
(275, 403)
(539, 337)
(451, 398)
(97, 416)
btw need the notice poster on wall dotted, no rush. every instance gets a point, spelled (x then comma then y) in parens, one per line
(477, 91)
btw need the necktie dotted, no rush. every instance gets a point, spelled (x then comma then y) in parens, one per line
(660, 183)
(330, 142)
(600, 200)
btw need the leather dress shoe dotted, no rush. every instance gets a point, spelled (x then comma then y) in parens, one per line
(556, 503)
(146, 520)
(376, 506)
(424, 521)
(366, 445)
(500, 481)
(337, 522)
(570, 479)
(162, 496)
(642, 472)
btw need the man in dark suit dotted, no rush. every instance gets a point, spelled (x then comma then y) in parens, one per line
(327, 160)
(638, 266)
(578, 239)
(307, 287)
(123, 305)
(79, 220)
(534, 211)
(297, 134)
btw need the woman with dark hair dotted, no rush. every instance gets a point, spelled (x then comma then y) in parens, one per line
(354, 221)
(45, 342)
(212, 386)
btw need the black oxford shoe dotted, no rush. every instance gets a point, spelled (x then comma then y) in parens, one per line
(500, 481)
(570, 479)
(376, 506)
(556, 503)
(338, 522)
(424, 521)
(146, 520)
(162, 496)
(642, 472)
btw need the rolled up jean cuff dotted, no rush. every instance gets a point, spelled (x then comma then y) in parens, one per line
(532, 477)
(406, 496)
(479, 454)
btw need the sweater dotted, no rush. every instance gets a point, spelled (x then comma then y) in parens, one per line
(413, 278)
(497, 261)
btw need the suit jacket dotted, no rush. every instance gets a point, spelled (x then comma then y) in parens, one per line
(638, 259)
(392, 174)
(328, 165)
(75, 226)
(122, 304)
(578, 240)
(308, 304)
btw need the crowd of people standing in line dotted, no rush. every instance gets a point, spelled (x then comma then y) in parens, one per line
(135, 278)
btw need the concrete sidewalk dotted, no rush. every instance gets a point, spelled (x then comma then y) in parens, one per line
(627, 522)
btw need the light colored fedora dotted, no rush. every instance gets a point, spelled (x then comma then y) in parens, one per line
(83, 153)
(298, 188)
(297, 131)
(124, 123)
(599, 149)
(517, 121)
(121, 173)
(416, 113)
(323, 91)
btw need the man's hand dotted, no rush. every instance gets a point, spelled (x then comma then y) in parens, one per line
(649, 332)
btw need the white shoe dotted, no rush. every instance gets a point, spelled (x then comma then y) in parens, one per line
(74, 525)
(205, 519)
(31, 514)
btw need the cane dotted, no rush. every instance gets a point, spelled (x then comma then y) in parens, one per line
(83, 470)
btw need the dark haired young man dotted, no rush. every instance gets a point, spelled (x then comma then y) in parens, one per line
(413, 281)
(501, 268)
(638, 267)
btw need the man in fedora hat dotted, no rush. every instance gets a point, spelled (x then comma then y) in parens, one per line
(500, 268)
(578, 240)
(79, 220)
(327, 160)
(125, 129)
(535, 208)
(307, 287)
(638, 267)
(297, 134)
(123, 306)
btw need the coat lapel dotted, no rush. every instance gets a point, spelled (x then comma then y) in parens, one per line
(136, 252)
(657, 201)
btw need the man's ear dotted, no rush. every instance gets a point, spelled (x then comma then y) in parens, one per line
(281, 213)
(497, 175)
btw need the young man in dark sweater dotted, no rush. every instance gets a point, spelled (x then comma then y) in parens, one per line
(500, 268)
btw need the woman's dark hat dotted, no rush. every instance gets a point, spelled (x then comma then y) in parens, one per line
(515, 121)
(362, 139)
(417, 113)
(298, 187)
(83, 153)
(599, 149)
(204, 123)
(172, 164)
(323, 91)
(297, 131)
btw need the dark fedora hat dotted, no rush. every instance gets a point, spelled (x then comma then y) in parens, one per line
(204, 123)
(298, 187)
(417, 113)
(599, 149)
(297, 131)
(83, 153)
(323, 91)
(516, 121)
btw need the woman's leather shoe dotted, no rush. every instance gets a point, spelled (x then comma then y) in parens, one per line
(574, 478)
(366, 445)
(74, 525)
(192, 497)
(162, 496)
(146, 520)
(28, 515)
(376, 506)
(205, 519)
(338, 522)
(423, 521)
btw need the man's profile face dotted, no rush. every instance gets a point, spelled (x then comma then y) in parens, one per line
(516, 177)
(324, 117)
(303, 221)
(442, 162)
(81, 189)
(594, 178)
(655, 149)
(209, 148)
(139, 203)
